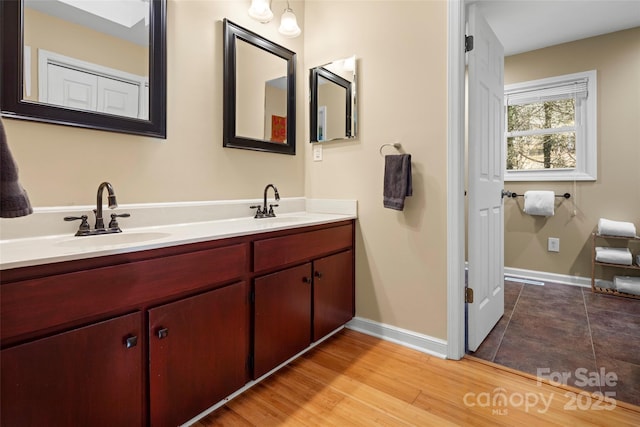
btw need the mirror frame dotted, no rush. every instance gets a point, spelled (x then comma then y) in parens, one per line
(232, 33)
(314, 75)
(12, 104)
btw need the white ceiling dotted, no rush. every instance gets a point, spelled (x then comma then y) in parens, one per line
(138, 33)
(524, 25)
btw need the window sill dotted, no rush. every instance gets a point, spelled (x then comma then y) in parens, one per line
(548, 176)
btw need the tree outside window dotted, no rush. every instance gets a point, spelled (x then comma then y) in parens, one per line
(541, 135)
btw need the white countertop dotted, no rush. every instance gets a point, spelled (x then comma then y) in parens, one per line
(45, 249)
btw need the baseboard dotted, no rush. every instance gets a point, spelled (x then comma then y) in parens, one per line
(423, 343)
(542, 276)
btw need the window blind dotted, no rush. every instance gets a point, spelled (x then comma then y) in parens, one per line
(571, 89)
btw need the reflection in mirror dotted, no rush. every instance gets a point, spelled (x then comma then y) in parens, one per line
(85, 63)
(259, 92)
(110, 76)
(333, 100)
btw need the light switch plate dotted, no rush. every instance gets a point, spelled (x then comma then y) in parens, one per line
(317, 153)
(553, 244)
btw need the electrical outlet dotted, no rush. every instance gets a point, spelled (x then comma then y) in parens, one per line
(317, 152)
(553, 244)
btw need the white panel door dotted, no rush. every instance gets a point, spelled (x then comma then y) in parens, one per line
(118, 97)
(70, 88)
(486, 179)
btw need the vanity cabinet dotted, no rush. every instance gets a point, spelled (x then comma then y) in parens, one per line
(83, 346)
(198, 350)
(155, 337)
(88, 376)
(300, 304)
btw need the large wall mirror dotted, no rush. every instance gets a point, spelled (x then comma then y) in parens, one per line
(85, 63)
(333, 100)
(259, 93)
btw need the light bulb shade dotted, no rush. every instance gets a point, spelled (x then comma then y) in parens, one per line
(289, 24)
(260, 11)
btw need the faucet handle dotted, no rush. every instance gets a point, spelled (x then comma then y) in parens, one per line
(113, 224)
(271, 212)
(259, 212)
(84, 229)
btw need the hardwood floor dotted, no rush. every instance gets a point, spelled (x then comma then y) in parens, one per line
(354, 379)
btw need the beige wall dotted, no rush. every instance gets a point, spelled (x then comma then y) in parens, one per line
(61, 165)
(402, 87)
(615, 194)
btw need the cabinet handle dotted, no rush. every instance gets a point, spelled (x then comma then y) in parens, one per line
(305, 279)
(131, 341)
(163, 333)
(317, 274)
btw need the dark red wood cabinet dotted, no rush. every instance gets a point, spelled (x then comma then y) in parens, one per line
(302, 303)
(333, 293)
(87, 376)
(282, 317)
(153, 338)
(198, 352)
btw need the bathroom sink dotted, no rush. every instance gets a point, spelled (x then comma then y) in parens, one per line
(111, 239)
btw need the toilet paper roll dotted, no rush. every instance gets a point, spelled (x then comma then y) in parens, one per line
(539, 203)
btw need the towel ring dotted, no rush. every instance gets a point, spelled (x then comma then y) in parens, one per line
(395, 145)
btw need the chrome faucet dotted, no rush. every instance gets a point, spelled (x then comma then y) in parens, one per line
(264, 213)
(111, 199)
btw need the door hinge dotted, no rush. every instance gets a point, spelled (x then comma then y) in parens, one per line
(468, 43)
(468, 295)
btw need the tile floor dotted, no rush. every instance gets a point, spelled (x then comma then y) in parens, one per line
(569, 329)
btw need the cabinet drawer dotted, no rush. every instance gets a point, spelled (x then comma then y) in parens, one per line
(277, 251)
(59, 301)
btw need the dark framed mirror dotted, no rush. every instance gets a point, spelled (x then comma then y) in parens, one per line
(333, 101)
(52, 74)
(259, 93)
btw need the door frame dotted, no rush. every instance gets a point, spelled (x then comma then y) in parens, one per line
(455, 178)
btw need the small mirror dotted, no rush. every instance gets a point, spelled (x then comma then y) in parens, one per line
(333, 100)
(80, 63)
(259, 93)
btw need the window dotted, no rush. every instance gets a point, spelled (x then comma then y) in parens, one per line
(551, 129)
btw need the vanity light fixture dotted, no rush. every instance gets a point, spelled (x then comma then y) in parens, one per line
(289, 24)
(261, 11)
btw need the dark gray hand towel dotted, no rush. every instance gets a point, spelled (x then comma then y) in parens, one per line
(397, 180)
(14, 201)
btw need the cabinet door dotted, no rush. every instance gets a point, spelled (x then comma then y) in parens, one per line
(198, 350)
(333, 298)
(282, 317)
(90, 376)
